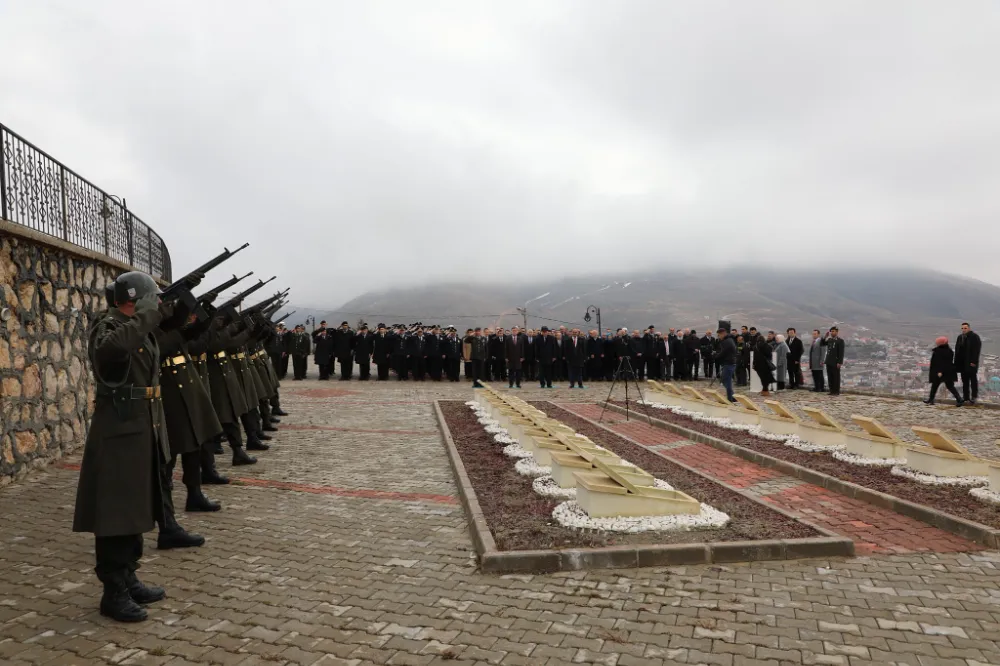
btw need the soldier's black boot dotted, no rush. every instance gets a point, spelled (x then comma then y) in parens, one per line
(241, 457)
(172, 535)
(217, 447)
(196, 501)
(278, 411)
(143, 594)
(117, 604)
(213, 478)
(254, 444)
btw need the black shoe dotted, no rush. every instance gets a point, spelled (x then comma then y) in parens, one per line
(269, 428)
(197, 502)
(257, 446)
(119, 606)
(928, 402)
(240, 457)
(959, 402)
(213, 478)
(143, 594)
(279, 412)
(263, 437)
(218, 450)
(178, 538)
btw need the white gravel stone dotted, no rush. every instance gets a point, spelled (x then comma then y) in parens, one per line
(934, 480)
(855, 459)
(546, 486)
(986, 495)
(529, 467)
(516, 451)
(570, 514)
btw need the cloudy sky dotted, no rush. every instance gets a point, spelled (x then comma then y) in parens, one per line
(357, 145)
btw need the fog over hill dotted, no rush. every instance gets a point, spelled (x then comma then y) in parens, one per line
(903, 303)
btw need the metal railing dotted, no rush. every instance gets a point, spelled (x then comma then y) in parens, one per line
(40, 193)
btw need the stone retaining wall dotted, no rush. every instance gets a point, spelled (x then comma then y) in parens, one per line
(49, 291)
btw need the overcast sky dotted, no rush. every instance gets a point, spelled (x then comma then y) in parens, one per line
(360, 144)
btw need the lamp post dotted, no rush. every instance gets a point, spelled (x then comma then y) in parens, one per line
(311, 320)
(597, 312)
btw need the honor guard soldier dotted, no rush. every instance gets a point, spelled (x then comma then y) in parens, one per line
(119, 496)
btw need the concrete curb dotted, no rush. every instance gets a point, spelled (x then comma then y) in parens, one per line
(495, 561)
(967, 529)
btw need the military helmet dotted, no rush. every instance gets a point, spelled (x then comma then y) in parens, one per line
(109, 294)
(133, 286)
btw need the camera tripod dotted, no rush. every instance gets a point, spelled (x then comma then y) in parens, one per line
(625, 370)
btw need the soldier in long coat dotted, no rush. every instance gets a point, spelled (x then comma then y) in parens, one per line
(227, 393)
(119, 495)
(323, 354)
(191, 420)
(382, 352)
(514, 352)
(364, 347)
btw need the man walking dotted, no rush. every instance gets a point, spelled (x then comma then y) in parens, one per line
(726, 357)
(795, 351)
(968, 347)
(834, 359)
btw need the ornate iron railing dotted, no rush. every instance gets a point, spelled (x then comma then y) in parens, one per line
(39, 192)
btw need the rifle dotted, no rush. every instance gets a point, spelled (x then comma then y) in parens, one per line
(270, 311)
(180, 290)
(209, 296)
(228, 309)
(285, 316)
(257, 308)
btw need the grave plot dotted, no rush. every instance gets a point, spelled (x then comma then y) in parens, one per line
(941, 475)
(593, 498)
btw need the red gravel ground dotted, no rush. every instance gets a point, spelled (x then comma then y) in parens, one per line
(956, 501)
(520, 519)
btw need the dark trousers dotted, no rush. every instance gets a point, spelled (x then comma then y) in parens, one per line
(452, 368)
(419, 367)
(818, 382)
(692, 372)
(117, 556)
(970, 381)
(833, 375)
(282, 366)
(794, 375)
(653, 367)
(741, 375)
(299, 366)
(639, 367)
(499, 368)
(727, 380)
(678, 367)
(434, 367)
(545, 374)
(530, 370)
(382, 370)
(563, 369)
(468, 369)
(514, 378)
(707, 367)
(324, 371)
(365, 368)
(403, 368)
(346, 368)
(192, 463)
(477, 369)
(948, 384)
(575, 375)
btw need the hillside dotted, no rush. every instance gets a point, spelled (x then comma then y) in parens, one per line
(896, 303)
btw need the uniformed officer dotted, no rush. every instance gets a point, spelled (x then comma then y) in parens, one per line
(119, 495)
(227, 393)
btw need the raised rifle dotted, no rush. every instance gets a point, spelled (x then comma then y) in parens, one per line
(285, 316)
(228, 309)
(209, 296)
(180, 290)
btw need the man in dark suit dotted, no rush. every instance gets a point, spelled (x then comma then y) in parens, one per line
(530, 366)
(795, 351)
(451, 352)
(548, 356)
(382, 352)
(364, 343)
(432, 350)
(834, 359)
(968, 348)
(595, 357)
(416, 350)
(576, 357)
(514, 350)
(343, 342)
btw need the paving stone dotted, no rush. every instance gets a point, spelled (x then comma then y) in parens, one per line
(347, 547)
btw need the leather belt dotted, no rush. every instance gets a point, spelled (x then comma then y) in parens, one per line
(201, 358)
(129, 392)
(239, 356)
(218, 357)
(175, 361)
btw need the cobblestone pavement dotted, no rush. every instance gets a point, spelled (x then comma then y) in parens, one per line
(874, 530)
(346, 545)
(976, 428)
